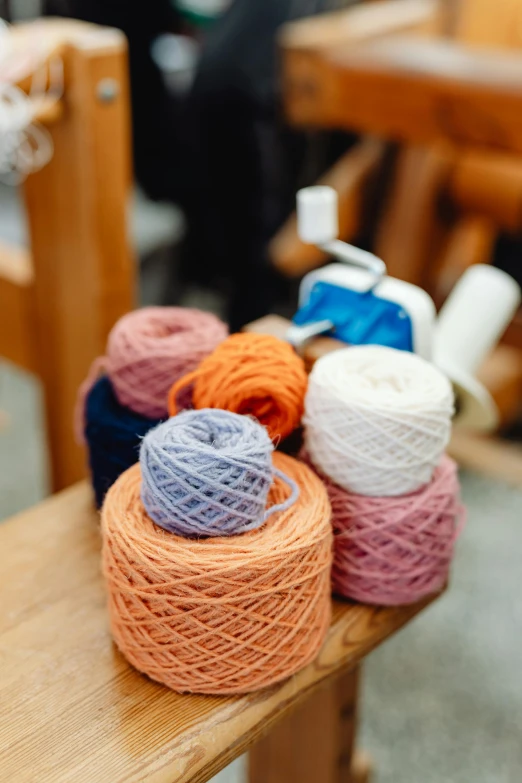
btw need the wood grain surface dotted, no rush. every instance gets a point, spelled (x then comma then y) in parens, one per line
(409, 89)
(413, 226)
(489, 184)
(72, 709)
(77, 218)
(483, 23)
(361, 22)
(316, 742)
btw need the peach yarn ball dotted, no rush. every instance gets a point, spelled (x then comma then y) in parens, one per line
(220, 615)
(252, 374)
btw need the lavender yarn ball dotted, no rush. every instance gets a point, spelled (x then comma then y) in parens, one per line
(207, 473)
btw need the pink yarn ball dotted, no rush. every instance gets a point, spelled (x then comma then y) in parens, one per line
(149, 349)
(395, 550)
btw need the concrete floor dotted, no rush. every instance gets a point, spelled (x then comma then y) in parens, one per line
(442, 701)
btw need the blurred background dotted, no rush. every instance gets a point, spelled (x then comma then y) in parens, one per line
(412, 111)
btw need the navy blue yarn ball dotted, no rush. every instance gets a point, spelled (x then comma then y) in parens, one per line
(113, 434)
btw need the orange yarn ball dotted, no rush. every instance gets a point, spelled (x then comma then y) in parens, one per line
(252, 374)
(220, 615)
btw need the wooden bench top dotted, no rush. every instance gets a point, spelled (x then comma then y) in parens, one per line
(72, 709)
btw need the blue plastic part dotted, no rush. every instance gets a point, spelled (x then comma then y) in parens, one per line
(360, 318)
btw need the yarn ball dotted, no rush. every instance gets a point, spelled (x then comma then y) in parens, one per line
(220, 615)
(207, 473)
(149, 349)
(377, 420)
(113, 435)
(253, 374)
(395, 550)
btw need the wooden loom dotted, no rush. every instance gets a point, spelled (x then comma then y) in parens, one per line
(444, 92)
(60, 298)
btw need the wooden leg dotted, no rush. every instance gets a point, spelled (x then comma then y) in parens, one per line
(413, 229)
(315, 743)
(345, 695)
(76, 208)
(469, 241)
(361, 768)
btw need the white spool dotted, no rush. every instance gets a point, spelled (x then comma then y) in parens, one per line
(377, 420)
(470, 324)
(474, 316)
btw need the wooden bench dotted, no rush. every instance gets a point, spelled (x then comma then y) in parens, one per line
(73, 710)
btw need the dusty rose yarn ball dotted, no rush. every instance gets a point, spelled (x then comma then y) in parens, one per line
(395, 550)
(149, 349)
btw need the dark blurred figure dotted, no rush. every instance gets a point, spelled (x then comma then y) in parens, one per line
(155, 115)
(222, 151)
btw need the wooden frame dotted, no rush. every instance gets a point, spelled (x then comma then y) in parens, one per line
(59, 301)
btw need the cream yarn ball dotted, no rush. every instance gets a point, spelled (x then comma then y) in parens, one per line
(377, 420)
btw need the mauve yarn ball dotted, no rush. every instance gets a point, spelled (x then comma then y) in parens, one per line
(150, 348)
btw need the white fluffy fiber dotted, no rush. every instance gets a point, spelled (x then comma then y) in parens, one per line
(377, 420)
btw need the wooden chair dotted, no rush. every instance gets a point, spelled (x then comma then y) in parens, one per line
(446, 92)
(59, 299)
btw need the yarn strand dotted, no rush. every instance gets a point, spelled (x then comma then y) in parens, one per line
(176, 390)
(251, 374)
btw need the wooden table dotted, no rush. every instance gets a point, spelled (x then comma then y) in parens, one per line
(72, 709)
